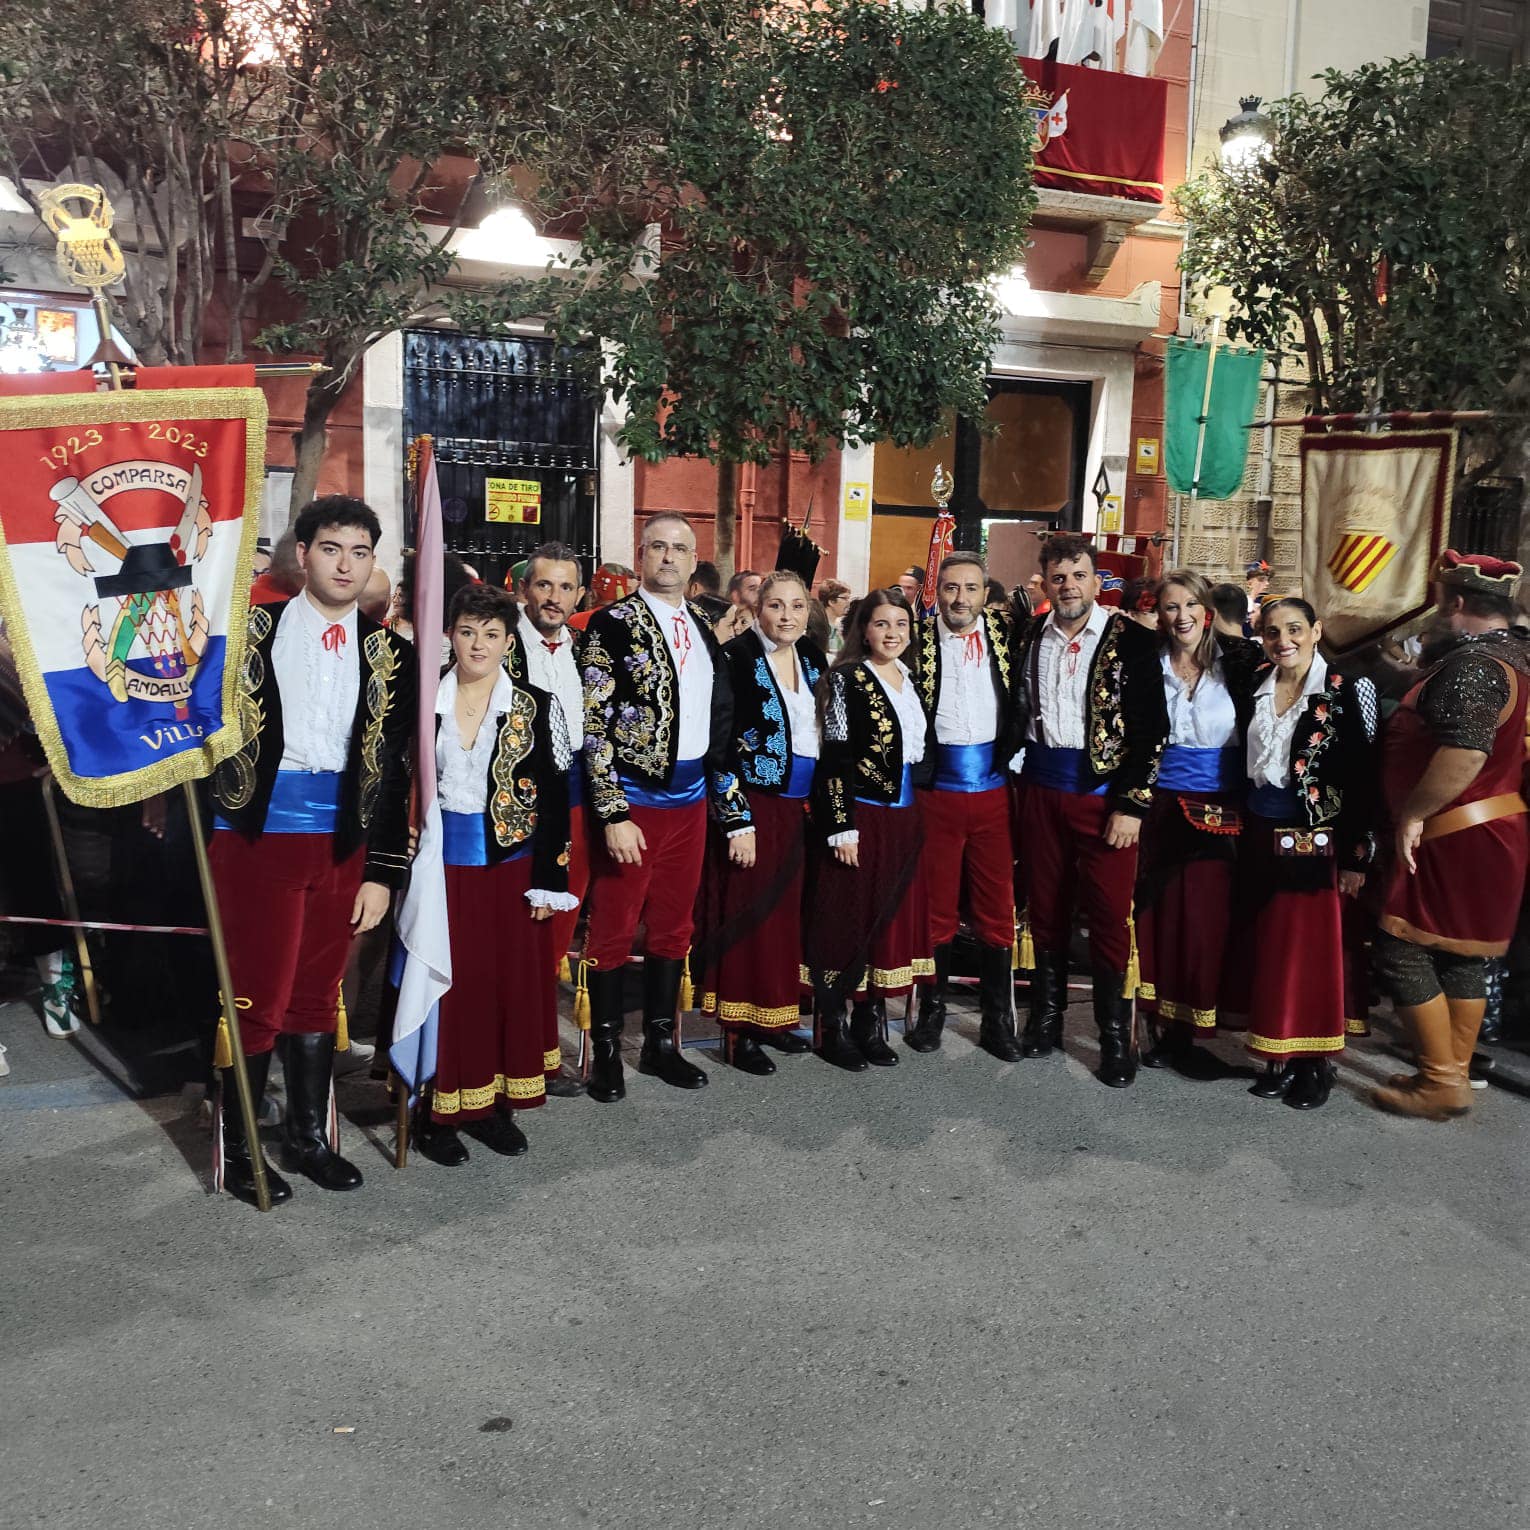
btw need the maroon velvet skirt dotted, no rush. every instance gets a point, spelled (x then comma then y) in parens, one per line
(746, 954)
(866, 929)
(498, 1038)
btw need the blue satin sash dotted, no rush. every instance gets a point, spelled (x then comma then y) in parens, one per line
(1185, 768)
(800, 782)
(1060, 770)
(302, 802)
(687, 785)
(463, 842)
(966, 768)
(905, 794)
(1277, 803)
(576, 784)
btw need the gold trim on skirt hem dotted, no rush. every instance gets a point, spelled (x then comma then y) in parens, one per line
(1202, 1019)
(451, 1102)
(1277, 1046)
(781, 1018)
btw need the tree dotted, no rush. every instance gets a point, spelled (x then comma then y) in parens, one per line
(1384, 239)
(833, 187)
(349, 134)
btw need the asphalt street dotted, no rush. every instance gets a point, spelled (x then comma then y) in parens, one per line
(952, 1293)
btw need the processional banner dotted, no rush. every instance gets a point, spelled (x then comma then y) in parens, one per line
(127, 531)
(1375, 519)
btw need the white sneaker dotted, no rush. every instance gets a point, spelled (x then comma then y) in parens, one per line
(5, 1067)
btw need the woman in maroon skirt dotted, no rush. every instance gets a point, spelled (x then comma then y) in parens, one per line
(1306, 839)
(1189, 843)
(502, 758)
(746, 955)
(866, 933)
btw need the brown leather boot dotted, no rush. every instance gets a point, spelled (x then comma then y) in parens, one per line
(1439, 1090)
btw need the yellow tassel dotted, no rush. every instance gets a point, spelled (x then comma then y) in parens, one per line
(1133, 965)
(565, 972)
(342, 1025)
(687, 988)
(223, 1048)
(1025, 948)
(582, 998)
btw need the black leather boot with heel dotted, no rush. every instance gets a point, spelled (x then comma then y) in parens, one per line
(1049, 1000)
(660, 1057)
(925, 1036)
(996, 1034)
(308, 1058)
(606, 1083)
(238, 1164)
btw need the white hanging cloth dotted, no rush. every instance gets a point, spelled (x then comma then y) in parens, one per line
(1090, 27)
(1144, 36)
(1006, 16)
(1046, 24)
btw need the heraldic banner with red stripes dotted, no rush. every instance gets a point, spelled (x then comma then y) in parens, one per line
(127, 530)
(1375, 519)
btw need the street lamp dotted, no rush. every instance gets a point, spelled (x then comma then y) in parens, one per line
(1247, 137)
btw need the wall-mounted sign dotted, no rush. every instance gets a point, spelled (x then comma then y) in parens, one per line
(1147, 455)
(857, 501)
(512, 501)
(1110, 514)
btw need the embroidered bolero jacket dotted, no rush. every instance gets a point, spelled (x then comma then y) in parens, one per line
(760, 750)
(528, 786)
(632, 717)
(374, 801)
(924, 658)
(1333, 766)
(1127, 718)
(861, 751)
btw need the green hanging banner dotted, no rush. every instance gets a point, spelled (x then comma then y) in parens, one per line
(1235, 376)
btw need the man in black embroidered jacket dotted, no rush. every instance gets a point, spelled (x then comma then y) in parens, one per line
(658, 715)
(960, 659)
(1093, 714)
(311, 833)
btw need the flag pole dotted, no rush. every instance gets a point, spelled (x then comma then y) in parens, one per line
(97, 273)
(1200, 433)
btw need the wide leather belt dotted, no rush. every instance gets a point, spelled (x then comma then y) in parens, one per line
(1470, 814)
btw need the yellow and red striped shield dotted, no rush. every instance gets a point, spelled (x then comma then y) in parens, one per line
(1359, 558)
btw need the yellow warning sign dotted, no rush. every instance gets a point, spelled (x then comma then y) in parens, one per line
(513, 501)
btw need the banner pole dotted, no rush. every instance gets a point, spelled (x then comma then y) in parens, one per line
(71, 904)
(247, 1103)
(1200, 431)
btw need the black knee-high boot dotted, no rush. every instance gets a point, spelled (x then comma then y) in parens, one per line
(996, 1035)
(661, 1049)
(309, 1058)
(238, 1157)
(606, 1083)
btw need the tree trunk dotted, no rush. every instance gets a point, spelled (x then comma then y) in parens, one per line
(311, 441)
(727, 518)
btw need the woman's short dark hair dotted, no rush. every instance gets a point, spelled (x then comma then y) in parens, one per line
(1285, 600)
(482, 603)
(336, 510)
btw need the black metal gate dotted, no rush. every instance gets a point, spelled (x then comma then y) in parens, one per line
(514, 434)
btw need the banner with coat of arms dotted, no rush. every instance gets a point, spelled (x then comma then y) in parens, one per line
(1375, 519)
(127, 531)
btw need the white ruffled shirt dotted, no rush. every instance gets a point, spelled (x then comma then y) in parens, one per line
(1203, 718)
(462, 774)
(801, 709)
(319, 680)
(1269, 736)
(556, 673)
(693, 665)
(908, 710)
(1063, 681)
(966, 709)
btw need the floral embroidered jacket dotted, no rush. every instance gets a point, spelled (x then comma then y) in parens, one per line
(1126, 716)
(1333, 764)
(632, 713)
(374, 801)
(528, 786)
(924, 657)
(861, 750)
(760, 750)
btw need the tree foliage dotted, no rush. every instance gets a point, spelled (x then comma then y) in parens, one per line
(1384, 239)
(833, 186)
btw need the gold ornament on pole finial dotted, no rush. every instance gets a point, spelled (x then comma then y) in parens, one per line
(87, 255)
(942, 486)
